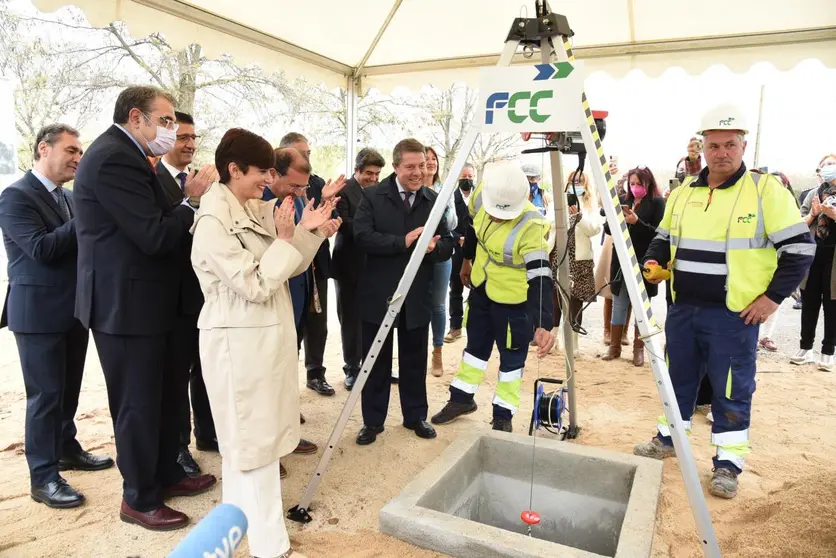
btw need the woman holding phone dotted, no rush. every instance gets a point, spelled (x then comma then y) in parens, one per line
(643, 207)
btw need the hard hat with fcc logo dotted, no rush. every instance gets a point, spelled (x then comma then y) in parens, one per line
(725, 117)
(506, 190)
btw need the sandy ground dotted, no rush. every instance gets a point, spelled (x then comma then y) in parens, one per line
(786, 504)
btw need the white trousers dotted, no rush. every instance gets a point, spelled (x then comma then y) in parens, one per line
(259, 494)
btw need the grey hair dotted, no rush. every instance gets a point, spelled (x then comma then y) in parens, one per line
(292, 137)
(50, 134)
(468, 166)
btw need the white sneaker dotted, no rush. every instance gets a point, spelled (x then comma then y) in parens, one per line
(805, 356)
(826, 363)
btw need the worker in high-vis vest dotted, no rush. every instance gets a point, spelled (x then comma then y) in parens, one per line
(736, 247)
(505, 255)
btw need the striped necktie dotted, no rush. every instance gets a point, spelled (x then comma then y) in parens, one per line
(58, 194)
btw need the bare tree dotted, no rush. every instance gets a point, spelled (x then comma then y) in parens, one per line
(52, 82)
(490, 148)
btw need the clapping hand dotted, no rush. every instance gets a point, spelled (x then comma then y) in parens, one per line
(197, 183)
(331, 227)
(313, 218)
(431, 245)
(412, 236)
(283, 217)
(815, 205)
(332, 188)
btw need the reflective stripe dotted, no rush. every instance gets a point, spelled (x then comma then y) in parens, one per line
(723, 455)
(805, 249)
(789, 232)
(464, 386)
(536, 255)
(699, 267)
(662, 232)
(477, 203)
(511, 376)
(538, 272)
(497, 400)
(748, 243)
(698, 244)
(471, 360)
(662, 426)
(732, 438)
(511, 239)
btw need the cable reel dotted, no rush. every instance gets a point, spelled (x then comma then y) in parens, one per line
(549, 407)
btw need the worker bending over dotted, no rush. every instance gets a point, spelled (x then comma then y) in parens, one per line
(510, 293)
(738, 248)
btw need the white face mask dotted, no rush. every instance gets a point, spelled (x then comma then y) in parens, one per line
(164, 142)
(828, 173)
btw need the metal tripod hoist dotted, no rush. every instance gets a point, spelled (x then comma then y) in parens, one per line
(532, 34)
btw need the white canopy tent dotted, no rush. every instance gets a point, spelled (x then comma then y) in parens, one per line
(358, 44)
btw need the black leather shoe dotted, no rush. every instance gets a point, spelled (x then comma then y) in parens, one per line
(320, 386)
(84, 461)
(207, 445)
(57, 494)
(349, 381)
(423, 429)
(187, 462)
(368, 434)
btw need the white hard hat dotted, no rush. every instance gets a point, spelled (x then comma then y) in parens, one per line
(724, 117)
(505, 192)
(531, 169)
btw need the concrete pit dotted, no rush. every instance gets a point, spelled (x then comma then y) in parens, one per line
(467, 503)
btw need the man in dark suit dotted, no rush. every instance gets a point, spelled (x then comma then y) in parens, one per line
(348, 260)
(129, 243)
(461, 195)
(184, 185)
(315, 319)
(387, 225)
(315, 326)
(36, 215)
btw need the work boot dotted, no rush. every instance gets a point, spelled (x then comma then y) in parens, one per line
(437, 369)
(626, 330)
(654, 449)
(638, 348)
(453, 335)
(607, 320)
(503, 425)
(453, 410)
(614, 350)
(724, 483)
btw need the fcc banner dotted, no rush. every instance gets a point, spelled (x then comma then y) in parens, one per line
(539, 98)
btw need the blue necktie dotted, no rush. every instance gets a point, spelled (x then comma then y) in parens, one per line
(182, 178)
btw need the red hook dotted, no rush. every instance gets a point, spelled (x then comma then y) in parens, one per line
(530, 517)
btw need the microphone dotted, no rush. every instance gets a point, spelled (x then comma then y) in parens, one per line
(216, 536)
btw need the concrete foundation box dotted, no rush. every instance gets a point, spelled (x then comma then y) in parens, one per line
(467, 503)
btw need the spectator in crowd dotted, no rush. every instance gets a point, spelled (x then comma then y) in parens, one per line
(818, 290)
(442, 270)
(348, 260)
(461, 196)
(643, 208)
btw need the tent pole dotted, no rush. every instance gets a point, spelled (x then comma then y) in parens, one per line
(758, 132)
(351, 89)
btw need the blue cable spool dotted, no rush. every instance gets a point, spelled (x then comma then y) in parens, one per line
(549, 407)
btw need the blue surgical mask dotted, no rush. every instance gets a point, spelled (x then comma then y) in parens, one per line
(828, 173)
(576, 189)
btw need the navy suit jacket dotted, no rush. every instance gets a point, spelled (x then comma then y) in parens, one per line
(41, 248)
(129, 241)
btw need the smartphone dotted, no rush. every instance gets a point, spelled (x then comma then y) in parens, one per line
(674, 184)
(571, 199)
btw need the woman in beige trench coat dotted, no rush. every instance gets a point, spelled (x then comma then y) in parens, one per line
(243, 253)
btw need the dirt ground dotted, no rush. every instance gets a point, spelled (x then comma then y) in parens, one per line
(786, 504)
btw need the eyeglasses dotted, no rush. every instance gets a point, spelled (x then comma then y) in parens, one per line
(187, 137)
(167, 122)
